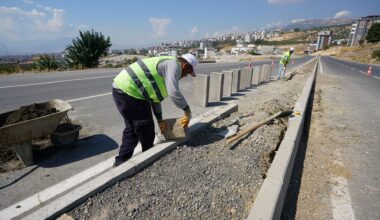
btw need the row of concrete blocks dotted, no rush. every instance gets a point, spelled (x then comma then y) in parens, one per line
(213, 87)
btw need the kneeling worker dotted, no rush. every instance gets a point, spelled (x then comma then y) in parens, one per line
(143, 86)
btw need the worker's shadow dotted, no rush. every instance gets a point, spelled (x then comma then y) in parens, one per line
(91, 146)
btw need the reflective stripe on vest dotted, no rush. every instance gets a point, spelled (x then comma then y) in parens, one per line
(142, 81)
(151, 79)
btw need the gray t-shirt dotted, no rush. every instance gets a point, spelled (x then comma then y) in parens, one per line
(171, 71)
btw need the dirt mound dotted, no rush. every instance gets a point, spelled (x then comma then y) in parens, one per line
(29, 112)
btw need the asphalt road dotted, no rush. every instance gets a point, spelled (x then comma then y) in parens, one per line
(361, 97)
(89, 92)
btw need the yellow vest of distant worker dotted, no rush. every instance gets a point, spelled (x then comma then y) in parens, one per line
(142, 81)
(285, 59)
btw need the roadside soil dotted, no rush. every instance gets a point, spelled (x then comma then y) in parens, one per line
(204, 178)
(361, 54)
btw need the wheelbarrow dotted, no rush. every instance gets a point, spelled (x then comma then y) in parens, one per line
(51, 121)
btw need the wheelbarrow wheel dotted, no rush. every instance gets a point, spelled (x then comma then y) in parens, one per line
(65, 135)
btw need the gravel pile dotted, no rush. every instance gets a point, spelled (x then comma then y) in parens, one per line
(204, 178)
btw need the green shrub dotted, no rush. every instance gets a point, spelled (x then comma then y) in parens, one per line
(373, 35)
(85, 50)
(254, 53)
(376, 54)
(8, 69)
(46, 62)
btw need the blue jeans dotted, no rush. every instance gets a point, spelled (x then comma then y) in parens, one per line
(281, 71)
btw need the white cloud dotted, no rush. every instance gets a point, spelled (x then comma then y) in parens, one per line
(159, 26)
(29, 2)
(297, 20)
(275, 2)
(273, 25)
(234, 29)
(194, 31)
(39, 23)
(342, 14)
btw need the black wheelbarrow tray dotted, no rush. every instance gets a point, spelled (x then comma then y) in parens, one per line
(55, 124)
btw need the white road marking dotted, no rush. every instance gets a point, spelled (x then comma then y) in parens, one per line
(376, 77)
(51, 82)
(340, 198)
(320, 64)
(89, 97)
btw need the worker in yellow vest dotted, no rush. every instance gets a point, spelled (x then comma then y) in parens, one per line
(284, 60)
(139, 89)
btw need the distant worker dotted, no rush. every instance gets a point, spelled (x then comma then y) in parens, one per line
(142, 86)
(285, 59)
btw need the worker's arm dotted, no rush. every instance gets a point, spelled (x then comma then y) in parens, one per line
(157, 110)
(171, 71)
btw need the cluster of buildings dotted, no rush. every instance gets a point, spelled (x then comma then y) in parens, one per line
(359, 30)
(206, 47)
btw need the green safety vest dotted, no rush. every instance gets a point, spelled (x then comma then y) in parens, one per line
(142, 81)
(285, 59)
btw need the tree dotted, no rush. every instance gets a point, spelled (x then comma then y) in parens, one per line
(361, 42)
(373, 35)
(86, 49)
(45, 62)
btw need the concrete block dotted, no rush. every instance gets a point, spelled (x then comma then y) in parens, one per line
(265, 75)
(227, 87)
(261, 74)
(255, 75)
(201, 90)
(250, 73)
(243, 79)
(236, 74)
(216, 87)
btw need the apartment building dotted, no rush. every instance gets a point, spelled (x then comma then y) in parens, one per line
(360, 29)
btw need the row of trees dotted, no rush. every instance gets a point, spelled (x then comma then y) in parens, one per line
(84, 52)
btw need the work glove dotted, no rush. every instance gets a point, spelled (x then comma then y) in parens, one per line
(185, 120)
(162, 125)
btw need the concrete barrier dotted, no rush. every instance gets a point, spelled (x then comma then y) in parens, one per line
(255, 75)
(227, 86)
(270, 199)
(236, 74)
(201, 90)
(216, 87)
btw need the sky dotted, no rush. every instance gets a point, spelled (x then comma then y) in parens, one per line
(30, 26)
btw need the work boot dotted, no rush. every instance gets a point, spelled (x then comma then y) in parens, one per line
(117, 163)
(119, 160)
